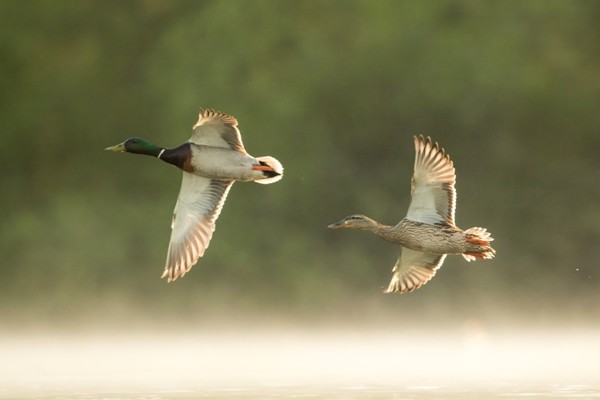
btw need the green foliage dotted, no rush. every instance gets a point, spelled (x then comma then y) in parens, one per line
(335, 90)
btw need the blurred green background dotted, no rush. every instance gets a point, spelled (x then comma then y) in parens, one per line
(333, 89)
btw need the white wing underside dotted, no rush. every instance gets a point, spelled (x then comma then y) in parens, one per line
(413, 269)
(198, 206)
(432, 188)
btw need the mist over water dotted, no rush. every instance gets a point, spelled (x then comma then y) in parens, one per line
(337, 363)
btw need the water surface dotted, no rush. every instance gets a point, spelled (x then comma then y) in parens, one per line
(311, 365)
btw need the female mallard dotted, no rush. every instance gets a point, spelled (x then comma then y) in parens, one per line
(211, 161)
(427, 233)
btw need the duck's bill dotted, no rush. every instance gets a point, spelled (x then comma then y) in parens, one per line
(338, 225)
(118, 148)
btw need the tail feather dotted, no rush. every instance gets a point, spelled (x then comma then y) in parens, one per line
(275, 172)
(480, 239)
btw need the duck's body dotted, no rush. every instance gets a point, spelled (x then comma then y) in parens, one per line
(211, 161)
(428, 233)
(216, 162)
(434, 239)
(224, 164)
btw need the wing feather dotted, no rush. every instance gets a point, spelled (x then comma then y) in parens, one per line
(413, 269)
(198, 206)
(217, 129)
(432, 188)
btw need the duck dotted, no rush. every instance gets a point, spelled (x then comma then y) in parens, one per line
(211, 160)
(428, 233)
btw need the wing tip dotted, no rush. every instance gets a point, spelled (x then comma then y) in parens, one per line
(208, 114)
(177, 270)
(426, 145)
(398, 285)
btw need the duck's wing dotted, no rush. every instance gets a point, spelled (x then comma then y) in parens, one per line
(432, 187)
(217, 129)
(413, 269)
(198, 206)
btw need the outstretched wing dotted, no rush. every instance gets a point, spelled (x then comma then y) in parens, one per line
(198, 206)
(217, 129)
(432, 188)
(413, 269)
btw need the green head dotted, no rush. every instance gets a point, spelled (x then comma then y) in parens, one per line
(137, 146)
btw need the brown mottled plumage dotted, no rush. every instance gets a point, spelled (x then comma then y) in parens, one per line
(428, 232)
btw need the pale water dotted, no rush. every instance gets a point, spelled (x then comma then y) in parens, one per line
(292, 365)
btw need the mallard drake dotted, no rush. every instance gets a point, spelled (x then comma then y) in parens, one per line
(428, 233)
(212, 160)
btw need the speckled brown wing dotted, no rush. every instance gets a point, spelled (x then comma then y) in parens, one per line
(218, 130)
(198, 206)
(413, 269)
(432, 187)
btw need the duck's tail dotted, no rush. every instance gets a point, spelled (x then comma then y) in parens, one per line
(478, 240)
(271, 168)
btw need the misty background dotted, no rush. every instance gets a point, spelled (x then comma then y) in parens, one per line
(335, 90)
